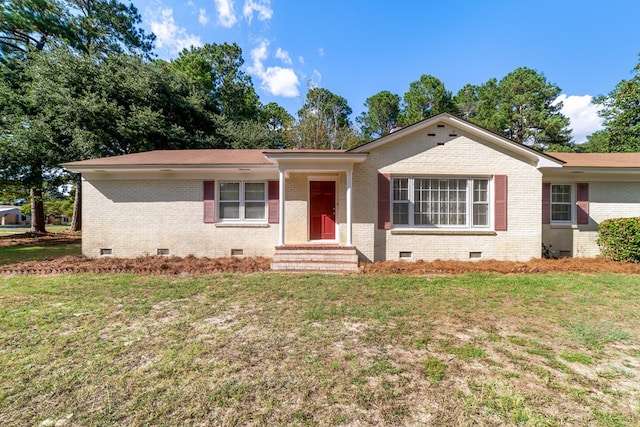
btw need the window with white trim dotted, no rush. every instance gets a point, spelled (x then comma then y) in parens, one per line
(561, 205)
(440, 202)
(242, 201)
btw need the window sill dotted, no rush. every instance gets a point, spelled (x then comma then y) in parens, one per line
(242, 225)
(561, 225)
(417, 232)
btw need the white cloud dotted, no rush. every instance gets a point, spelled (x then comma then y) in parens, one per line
(262, 7)
(283, 55)
(277, 81)
(170, 36)
(203, 19)
(321, 52)
(226, 15)
(301, 59)
(583, 115)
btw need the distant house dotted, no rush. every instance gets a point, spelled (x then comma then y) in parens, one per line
(58, 219)
(10, 215)
(442, 188)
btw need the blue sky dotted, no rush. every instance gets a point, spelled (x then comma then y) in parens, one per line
(356, 48)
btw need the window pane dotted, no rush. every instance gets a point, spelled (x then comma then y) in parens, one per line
(400, 189)
(229, 210)
(254, 191)
(560, 212)
(229, 191)
(254, 210)
(401, 213)
(481, 214)
(560, 194)
(480, 193)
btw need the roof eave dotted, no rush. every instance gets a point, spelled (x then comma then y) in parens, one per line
(164, 168)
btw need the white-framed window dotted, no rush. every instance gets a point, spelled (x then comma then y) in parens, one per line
(561, 203)
(440, 202)
(242, 201)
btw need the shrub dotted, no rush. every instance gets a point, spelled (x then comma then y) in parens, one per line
(619, 239)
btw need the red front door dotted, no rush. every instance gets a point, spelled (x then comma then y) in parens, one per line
(322, 210)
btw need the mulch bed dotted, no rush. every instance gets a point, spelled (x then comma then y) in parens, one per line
(193, 265)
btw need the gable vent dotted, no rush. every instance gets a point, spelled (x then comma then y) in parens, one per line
(431, 134)
(453, 134)
(440, 126)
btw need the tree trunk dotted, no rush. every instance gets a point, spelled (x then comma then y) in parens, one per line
(76, 221)
(37, 211)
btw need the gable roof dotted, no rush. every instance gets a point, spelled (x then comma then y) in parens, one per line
(542, 159)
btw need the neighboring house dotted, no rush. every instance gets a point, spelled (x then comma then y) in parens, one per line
(442, 188)
(10, 215)
(58, 219)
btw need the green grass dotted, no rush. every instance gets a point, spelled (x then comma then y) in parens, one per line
(16, 254)
(270, 349)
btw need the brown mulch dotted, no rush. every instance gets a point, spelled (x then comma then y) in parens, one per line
(140, 265)
(193, 265)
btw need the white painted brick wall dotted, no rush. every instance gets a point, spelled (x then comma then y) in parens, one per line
(462, 156)
(137, 217)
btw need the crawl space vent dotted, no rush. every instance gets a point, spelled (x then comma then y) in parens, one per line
(405, 255)
(163, 251)
(106, 251)
(475, 255)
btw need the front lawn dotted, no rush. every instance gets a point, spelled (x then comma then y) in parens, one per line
(271, 349)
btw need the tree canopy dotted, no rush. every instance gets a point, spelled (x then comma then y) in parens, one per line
(324, 121)
(621, 114)
(381, 115)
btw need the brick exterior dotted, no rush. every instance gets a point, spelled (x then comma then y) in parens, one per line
(137, 213)
(135, 217)
(607, 199)
(459, 156)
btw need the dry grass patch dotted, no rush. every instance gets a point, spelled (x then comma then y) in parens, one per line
(269, 349)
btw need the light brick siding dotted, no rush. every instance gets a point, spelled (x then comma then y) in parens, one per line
(606, 200)
(460, 156)
(136, 217)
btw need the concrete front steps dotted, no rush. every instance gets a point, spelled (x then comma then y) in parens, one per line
(329, 258)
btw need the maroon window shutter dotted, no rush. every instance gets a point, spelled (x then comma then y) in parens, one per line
(209, 198)
(546, 203)
(384, 201)
(582, 202)
(500, 187)
(274, 202)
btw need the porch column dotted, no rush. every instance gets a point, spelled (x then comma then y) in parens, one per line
(349, 185)
(281, 189)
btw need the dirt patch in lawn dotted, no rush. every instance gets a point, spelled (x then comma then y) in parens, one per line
(193, 265)
(40, 239)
